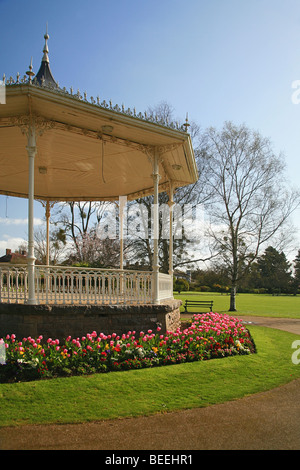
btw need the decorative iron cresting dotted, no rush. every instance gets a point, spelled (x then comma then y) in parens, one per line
(149, 117)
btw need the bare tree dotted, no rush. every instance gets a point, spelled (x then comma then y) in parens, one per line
(141, 247)
(251, 201)
(57, 245)
(95, 252)
(78, 220)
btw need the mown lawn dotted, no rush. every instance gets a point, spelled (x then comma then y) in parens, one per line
(148, 391)
(285, 306)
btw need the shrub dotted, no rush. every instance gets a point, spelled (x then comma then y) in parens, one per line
(181, 285)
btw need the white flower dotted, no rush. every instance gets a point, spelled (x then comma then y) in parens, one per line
(140, 352)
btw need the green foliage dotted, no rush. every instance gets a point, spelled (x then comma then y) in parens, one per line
(296, 281)
(273, 271)
(181, 285)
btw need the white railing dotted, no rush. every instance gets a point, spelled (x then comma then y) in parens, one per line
(13, 283)
(76, 285)
(82, 286)
(165, 289)
(72, 285)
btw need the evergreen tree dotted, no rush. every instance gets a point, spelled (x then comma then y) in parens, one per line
(297, 273)
(274, 271)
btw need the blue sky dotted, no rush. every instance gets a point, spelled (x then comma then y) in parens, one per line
(217, 60)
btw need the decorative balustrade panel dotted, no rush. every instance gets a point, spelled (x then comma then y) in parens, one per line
(165, 286)
(69, 285)
(82, 286)
(13, 283)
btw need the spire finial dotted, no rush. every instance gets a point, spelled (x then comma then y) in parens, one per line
(44, 75)
(45, 50)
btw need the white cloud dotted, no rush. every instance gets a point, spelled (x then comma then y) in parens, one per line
(12, 243)
(10, 221)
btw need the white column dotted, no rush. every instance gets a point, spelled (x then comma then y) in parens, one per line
(31, 151)
(122, 204)
(156, 229)
(47, 213)
(171, 204)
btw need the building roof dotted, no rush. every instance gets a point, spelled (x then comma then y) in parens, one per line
(14, 258)
(86, 149)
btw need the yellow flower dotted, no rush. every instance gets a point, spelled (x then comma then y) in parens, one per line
(155, 350)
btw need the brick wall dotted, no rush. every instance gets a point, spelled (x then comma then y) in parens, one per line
(59, 321)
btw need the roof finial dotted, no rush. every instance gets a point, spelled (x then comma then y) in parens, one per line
(29, 72)
(186, 124)
(46, 50)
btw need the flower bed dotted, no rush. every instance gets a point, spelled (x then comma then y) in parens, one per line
(209, 336)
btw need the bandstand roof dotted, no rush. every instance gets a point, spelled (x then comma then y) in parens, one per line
(86, 150)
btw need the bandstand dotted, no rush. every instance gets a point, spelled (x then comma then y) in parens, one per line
(59, 145)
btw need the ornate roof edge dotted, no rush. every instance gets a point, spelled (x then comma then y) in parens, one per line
(146, 117)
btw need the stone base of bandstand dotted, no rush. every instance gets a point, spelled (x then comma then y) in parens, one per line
(61, 321)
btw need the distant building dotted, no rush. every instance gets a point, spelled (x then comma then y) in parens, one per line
(183, 275)
(14, 258)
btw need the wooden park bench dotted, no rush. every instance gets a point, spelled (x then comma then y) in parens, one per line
(207, 305)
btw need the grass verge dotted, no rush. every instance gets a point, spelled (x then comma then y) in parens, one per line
(283, 306)
(148, 391)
